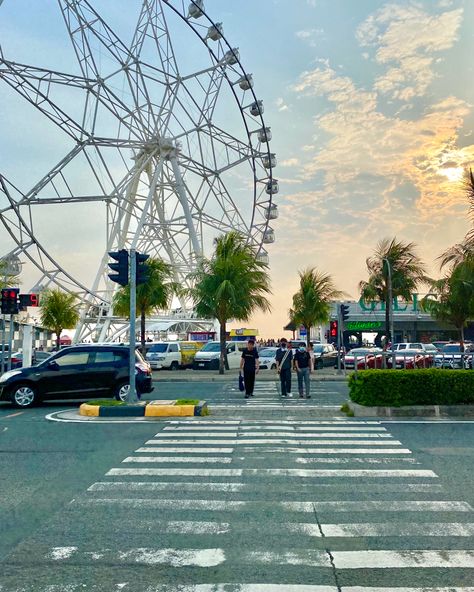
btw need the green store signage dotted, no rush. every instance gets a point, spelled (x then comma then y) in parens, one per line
(413, 306)
(363, 325)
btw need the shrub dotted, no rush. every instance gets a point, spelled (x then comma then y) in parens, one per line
(395, 388)
(187, 402)
(106, 402)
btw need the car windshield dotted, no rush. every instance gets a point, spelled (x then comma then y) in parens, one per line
(212, 347)
(451, 349)
(158, 348)
(318, 349)
(268, 352)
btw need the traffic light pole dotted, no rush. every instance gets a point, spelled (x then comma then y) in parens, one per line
(10, 343)
(3, 344)
(339, 334)
(132, 394)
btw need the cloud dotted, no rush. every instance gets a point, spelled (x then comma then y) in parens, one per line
(310, 35)
(280, 103)
(406, 38)
(290, 162)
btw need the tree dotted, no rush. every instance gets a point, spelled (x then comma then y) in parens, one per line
(155, 293)
(59, 310)
(465, 249)
(232, 284)
(407, 271)
(7, 279)
(452, 298)
(312, 302)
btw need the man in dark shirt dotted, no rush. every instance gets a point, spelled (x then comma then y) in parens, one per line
(304, 366)
(250, 366)
(284, 361)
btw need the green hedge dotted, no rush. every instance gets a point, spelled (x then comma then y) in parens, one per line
(395, 388)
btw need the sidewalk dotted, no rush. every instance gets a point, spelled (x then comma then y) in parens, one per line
(329, 375)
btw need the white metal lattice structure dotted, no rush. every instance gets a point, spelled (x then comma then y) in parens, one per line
(171, 141)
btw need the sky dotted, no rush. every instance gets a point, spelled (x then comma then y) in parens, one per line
(371, 109)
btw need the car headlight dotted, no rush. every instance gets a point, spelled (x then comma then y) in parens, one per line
(9, 374)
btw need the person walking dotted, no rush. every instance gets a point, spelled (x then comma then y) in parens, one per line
(250, 365)
(284, 362)
(304, 367)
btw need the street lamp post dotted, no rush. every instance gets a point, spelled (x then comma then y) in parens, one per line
(390, 310)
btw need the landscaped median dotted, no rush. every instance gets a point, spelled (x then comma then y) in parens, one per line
(173, 408)
(431, 392)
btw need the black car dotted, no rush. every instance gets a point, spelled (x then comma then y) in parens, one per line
(76, 373)
(325, 354)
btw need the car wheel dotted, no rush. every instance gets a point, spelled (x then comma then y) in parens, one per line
(174, 366)
(273, 367)
(23, 395)
(121, 391)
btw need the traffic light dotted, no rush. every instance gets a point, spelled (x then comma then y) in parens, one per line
(121, 267)
(344, 312)
(143, 273)
(10, 301)
(28, 300)
(333, 329)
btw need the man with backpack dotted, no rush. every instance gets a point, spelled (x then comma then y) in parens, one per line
(284, 362)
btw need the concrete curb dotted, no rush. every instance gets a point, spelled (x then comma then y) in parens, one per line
(146, 409)
(413, 411)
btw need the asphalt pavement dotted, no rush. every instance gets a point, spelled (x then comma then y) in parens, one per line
(232, 504)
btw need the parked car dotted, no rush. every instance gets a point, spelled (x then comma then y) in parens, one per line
(76, 373)
(325, 354)
(367, 358)
(267, 358)
(409, 359)
(17, 359)
(451, 356)
(426, 347)
(172, 355)
(208, 357)
(440, 344)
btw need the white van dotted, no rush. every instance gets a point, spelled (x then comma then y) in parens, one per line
(208, 356)
(164, 355)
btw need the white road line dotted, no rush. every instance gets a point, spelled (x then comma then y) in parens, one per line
(301, 557)
(350, 450)
(378, 506)
(355, 460)
(294, 435)
(174, 557)
(389, 529)
(178, 459)
(292, 442)
(424, 589)
(187, 450)
(180, 471)
(269, 588)
(214, 428)
(201, 472)
(342, 429)
(257, 486)
(166, 504)
(403, 559)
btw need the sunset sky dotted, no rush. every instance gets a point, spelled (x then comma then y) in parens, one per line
(371, 109)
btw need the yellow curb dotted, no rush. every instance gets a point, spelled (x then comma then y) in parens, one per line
(169, 411)
(89, 410)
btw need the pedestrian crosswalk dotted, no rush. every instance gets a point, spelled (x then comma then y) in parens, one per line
(264, 506)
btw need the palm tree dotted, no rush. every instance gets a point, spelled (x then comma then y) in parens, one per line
(465, 249)
(232, 284)
(155, 293)
(59, 310)
(454, 296)
(406, 268)
(312, 302)
(7, 279)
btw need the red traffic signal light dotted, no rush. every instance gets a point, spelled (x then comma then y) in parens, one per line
(10, 301)
(333, 329)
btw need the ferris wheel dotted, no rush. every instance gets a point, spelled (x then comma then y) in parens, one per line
(167, 147)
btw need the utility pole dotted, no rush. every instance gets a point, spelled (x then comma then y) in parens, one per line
(132, 394)
(339, 339)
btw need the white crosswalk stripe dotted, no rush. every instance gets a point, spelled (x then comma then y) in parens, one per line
(325, 505)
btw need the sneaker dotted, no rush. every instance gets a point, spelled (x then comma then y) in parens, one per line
(308, 397)
(284, 395)
(252, 395)
(289, 395)
(301, 396)
(247, 396)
